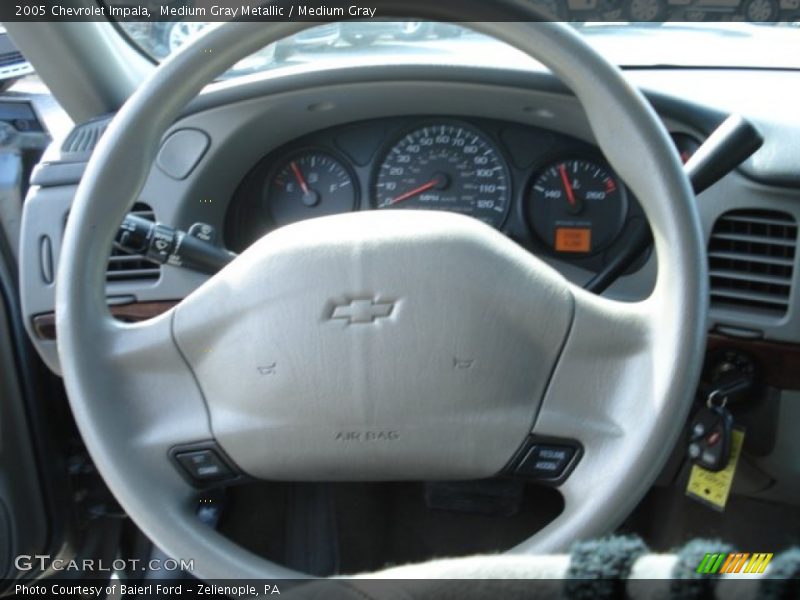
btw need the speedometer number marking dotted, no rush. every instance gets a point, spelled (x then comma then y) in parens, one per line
(445, 167)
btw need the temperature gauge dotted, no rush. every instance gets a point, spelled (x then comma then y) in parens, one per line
(577, 206)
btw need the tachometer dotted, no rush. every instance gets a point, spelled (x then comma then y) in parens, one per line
(309, 184)
(450, 167)
(577, 206)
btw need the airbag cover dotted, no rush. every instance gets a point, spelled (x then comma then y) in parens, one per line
(382, 345)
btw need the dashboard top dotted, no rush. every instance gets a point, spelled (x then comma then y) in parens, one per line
(697, 99)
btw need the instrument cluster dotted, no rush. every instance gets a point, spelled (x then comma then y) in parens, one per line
(552, 193)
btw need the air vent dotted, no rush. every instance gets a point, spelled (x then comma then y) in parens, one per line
(751, 260)
(133, 267)
(83, 139)
(11, 58)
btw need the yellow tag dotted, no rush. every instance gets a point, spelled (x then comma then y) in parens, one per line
(714, 488)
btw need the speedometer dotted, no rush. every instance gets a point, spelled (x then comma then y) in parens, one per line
(451, 167)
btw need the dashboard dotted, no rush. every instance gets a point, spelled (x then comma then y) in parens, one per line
(552, 193)
(512, 148)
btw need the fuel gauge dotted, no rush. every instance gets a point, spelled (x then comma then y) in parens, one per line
(309, 184)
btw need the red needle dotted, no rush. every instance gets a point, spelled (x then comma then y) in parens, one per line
(424, 187)
(299, 175)
(562, 168)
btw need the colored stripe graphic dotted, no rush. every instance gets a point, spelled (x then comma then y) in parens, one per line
(740, 558)
(701, 568)
(758, 563)
(728, 562)
(717, 563)
(735, 562)
(710, 563)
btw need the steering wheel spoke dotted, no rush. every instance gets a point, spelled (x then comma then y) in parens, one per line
(154, 387)
(146, 400)
(604, 373)
(612, 391)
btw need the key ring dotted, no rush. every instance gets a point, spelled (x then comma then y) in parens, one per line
(713, 396)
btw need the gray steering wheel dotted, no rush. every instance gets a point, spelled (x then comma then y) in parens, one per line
(381, 394)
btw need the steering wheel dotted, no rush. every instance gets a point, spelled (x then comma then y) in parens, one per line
(383, 345)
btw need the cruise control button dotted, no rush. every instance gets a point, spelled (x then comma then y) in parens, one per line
(204, 465)
(545, 461)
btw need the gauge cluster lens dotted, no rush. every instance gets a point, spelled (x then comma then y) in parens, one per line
(309, 184)
(450, 167)
(577, 206)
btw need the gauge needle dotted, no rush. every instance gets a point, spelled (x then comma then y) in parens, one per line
(410, 194)
(562, 168)
(300, 179)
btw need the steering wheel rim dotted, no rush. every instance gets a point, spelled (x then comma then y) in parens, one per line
(638, 363)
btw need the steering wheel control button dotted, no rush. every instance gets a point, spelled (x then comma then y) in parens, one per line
(203, 232)
(204, 465)
(546, 461)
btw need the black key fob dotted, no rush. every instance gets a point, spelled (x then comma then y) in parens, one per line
(710, 438)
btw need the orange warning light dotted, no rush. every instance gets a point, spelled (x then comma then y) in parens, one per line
(573, 239)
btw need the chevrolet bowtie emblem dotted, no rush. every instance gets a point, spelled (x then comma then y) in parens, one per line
(362, 311)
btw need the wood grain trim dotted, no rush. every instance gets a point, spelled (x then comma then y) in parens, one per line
(778, 363)
(44, 325)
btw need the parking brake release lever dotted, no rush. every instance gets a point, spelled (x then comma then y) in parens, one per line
(731, 143)
(195, 249)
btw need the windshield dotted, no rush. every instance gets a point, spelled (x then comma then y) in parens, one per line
(681, 44)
